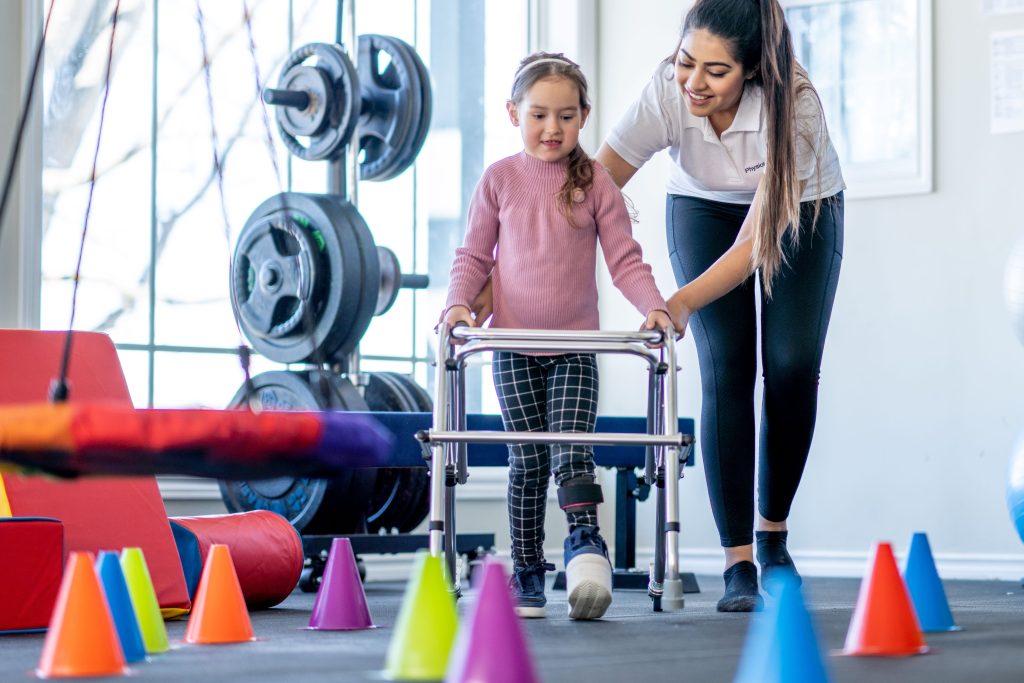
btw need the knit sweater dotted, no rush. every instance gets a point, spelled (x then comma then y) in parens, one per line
(543, 269)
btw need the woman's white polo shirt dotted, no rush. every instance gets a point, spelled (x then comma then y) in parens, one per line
(726, 169)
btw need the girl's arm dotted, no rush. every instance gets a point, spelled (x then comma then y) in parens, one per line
(622, 253)
(724, 275)
(618, 168)
(474, 260)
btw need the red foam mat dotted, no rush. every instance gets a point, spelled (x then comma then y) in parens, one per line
(30, 573)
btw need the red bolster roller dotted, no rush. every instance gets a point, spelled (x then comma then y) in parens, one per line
(265, 548)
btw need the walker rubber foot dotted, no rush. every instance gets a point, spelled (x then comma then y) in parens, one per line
(672, 595)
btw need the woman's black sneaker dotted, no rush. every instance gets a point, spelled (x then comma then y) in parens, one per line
(774, 558)
(741, 589)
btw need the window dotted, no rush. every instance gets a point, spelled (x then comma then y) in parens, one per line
(870, 61)
(155, 268)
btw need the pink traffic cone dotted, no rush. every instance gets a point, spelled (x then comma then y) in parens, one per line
(340, 603)
(491, 646)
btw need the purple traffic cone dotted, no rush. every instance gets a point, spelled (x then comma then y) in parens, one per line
(491, 646)
(340, 603)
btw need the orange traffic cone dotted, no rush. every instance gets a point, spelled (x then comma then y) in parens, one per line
(81, 640)
(219, 614)
(884, 622)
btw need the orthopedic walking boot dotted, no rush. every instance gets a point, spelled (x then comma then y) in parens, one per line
(588, 573)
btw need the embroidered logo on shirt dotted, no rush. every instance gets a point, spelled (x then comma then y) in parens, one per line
(751, 169)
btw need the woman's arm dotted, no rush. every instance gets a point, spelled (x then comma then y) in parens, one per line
(724, 275)
(618, 168)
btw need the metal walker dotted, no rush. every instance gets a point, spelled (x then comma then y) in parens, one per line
(446, 442)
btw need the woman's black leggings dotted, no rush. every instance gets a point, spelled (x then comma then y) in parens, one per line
(793, 326)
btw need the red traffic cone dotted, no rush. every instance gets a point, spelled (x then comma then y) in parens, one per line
(884, 622)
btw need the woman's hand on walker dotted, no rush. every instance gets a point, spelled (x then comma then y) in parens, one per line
(680, 313)
(483, 304)
(658, 320)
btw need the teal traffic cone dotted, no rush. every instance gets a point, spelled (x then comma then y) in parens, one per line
(925, 587)
(781, 645)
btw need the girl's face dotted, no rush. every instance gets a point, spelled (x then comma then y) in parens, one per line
(549, 118)
(710, 80)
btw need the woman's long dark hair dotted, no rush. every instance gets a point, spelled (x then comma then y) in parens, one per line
(579, 175)
(761, 42)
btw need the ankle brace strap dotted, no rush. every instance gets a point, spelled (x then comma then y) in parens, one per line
(576, 496)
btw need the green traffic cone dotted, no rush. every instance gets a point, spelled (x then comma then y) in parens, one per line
(426, 625)
(147, 609)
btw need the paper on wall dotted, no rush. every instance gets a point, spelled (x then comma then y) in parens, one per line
(990, 7)
(1007, 81)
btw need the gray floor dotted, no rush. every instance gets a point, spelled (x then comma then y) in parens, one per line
(631, 643)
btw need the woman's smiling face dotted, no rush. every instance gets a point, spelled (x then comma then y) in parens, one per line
(709, 77)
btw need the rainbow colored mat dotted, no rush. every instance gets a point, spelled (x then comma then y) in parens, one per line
(71, 439)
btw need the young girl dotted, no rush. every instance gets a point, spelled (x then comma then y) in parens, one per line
(534, 224)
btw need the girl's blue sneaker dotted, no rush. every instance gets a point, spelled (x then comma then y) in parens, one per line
(588, 573)
(527, 584)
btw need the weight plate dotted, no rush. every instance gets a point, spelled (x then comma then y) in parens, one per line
(401, 498)
(422, 126)
(335, 98)
(369, 285)
(316, 320)
(316, 85)
(275, 273)
(338, 505)
(394, 97)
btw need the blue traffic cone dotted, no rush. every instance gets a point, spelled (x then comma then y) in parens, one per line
(925, 587)
(108, 566)
(781, 645)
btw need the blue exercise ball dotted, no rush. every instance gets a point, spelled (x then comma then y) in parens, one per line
(1015, 487)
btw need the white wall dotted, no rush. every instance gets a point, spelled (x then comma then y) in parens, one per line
(920, 399)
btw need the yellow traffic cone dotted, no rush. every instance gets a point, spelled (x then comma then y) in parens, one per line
(147, 609)
(426, 625)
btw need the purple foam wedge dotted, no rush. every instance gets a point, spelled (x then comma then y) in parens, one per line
(340, 603)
